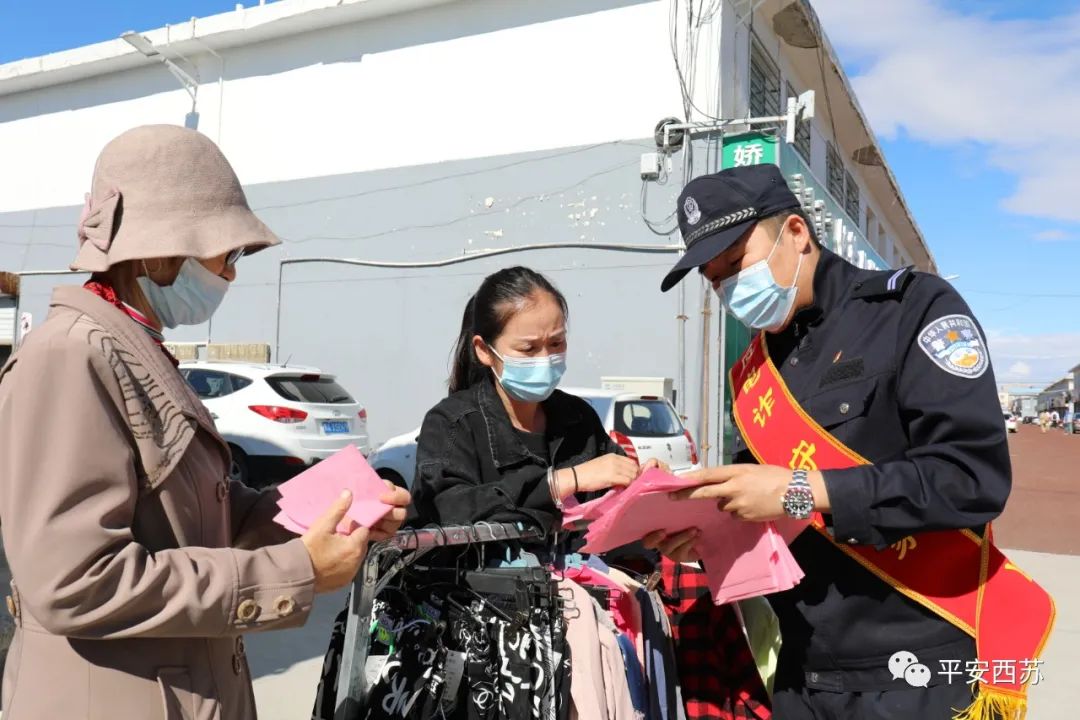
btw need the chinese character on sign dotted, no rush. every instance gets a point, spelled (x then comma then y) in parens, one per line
(976, 670)
(938, 345)
(950, 669)
(764, 409)
(902, 546)
(1005, 671)
(751, 380)
(749, 154)
(1032, 671)
(802, 457)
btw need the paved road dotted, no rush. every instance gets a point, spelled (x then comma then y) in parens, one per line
(1043, 512)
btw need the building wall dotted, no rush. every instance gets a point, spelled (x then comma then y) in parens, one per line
(412, 89)
(423, 136)
(799, 78)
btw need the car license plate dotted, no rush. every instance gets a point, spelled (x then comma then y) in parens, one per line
(335, 427)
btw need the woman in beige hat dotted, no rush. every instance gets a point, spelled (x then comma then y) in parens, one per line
(137, 565)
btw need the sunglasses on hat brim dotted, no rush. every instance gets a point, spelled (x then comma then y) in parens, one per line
(234, 256)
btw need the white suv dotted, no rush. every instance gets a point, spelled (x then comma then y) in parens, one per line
(1010, 422)
(277, 419)
(645, 426)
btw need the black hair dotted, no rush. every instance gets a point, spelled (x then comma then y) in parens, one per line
(499, 297)
(775, 222)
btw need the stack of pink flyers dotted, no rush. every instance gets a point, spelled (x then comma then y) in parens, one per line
(741, 559)
(309, 495)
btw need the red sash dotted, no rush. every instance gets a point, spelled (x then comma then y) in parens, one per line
(961, 577)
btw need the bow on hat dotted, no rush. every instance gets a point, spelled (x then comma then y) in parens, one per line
(97, 219)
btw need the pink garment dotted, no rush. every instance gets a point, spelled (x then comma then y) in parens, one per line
(587, 694)
(617, 688)
(627, 613)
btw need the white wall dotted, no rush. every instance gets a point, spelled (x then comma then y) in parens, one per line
(473, 79)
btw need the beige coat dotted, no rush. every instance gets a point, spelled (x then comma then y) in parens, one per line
(123, 533)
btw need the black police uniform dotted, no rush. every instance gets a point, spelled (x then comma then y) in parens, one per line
(864, 364)
(895, 367)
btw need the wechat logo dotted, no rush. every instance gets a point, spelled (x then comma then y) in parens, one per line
(905, 666)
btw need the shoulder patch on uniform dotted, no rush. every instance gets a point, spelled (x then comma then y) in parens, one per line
(955, 345)
(889, 282)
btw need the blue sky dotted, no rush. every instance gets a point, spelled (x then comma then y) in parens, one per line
(971, 101)
(975, 103)
(28, 28)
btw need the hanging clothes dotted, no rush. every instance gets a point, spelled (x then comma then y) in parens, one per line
(635, 677)
(660, 665)
(440, 650)
(619, 702)
(717, 672)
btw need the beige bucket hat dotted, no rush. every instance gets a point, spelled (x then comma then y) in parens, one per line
(164, 191)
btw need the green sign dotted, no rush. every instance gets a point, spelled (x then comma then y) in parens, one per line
(752, 148)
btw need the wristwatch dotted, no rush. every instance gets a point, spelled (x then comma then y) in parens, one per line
(798, 499)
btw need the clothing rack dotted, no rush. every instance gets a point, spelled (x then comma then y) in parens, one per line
(384, 561)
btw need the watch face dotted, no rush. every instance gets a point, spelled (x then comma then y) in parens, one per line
(799, 503)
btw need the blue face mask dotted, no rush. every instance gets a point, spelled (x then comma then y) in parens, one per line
(754, 297)
(531, 379)
(190, 300)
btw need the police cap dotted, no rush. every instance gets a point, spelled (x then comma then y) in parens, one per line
(715, 210)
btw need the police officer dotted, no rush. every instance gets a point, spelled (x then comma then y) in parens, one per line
(893, 365)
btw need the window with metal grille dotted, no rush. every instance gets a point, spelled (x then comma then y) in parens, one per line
(764, 83)
(802, 130)
(834, 172)
(851, 198)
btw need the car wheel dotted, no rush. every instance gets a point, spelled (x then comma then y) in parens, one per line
(393, 476)
(238, 470)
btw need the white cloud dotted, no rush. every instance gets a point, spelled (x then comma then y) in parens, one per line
(1012, 87)
(1052, 235)
(1040, 359)
(1019, 370)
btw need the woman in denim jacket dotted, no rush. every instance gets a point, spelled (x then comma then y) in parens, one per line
(506, 445)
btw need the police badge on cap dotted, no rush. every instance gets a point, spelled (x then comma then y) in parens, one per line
(693, 212)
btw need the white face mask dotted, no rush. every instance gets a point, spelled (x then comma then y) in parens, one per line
(755, 298)
(190, 300)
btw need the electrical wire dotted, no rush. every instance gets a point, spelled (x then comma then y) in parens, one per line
(655, 227)
(820, 52)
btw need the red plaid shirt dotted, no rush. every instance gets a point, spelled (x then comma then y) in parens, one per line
(717, 673)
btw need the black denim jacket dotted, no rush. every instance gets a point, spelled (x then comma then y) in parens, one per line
(471, 466)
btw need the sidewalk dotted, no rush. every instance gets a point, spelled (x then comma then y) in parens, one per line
(286, 665)
(1057, 697)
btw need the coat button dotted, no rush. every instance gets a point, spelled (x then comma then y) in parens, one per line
(852, 541)
(240, 650)
(794, 361)
(285, 605)
(844, 407)
(222, 491)
(237, 665)
(10, 605)
(247, 611)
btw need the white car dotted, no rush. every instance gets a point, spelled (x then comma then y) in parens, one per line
(277, 419)
(644, 426)
(1010, 422)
